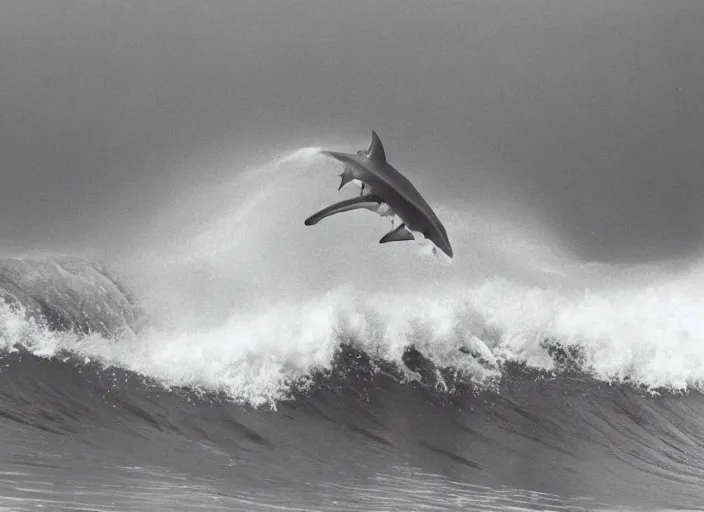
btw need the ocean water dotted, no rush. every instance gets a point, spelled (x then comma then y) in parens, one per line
(233, 359)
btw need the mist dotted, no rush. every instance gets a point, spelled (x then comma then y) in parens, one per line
(579, 120)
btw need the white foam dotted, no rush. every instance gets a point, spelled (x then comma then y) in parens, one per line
(654, 337)
(251, 299)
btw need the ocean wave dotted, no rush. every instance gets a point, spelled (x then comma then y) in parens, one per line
(363, 419)
(258, 354)
(248, 301)
(68, 294)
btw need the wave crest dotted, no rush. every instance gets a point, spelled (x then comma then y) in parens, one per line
(260, 355)
(249, 301)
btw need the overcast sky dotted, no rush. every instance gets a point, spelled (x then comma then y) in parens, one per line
(589, 113)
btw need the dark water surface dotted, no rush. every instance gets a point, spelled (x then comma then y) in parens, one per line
(77, 437)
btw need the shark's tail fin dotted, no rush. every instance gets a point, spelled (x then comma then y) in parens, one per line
(369, 202)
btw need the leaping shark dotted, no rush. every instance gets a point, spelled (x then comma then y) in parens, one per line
(387, 192)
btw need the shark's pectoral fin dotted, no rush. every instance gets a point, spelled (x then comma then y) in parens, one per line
(369, 202)
(397, 235)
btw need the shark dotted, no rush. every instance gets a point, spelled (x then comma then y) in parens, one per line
(385, 191)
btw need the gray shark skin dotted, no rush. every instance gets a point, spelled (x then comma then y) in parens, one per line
(370, 202)
(386, 185)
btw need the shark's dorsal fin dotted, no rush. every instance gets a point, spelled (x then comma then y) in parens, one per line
(397, 235)
(376, 149)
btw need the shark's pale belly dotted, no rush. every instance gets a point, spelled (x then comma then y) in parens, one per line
(384, 209)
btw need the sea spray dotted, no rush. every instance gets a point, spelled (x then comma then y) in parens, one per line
(249, 301)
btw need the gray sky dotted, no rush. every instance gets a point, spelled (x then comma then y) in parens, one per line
(590, 114)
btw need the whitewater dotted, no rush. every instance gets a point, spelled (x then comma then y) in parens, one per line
(231, 358)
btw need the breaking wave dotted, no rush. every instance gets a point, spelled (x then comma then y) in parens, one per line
(515, 365)
(249, 302)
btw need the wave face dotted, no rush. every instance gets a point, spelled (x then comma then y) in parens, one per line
(78, 435)
(254, 353)
(66, 294)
